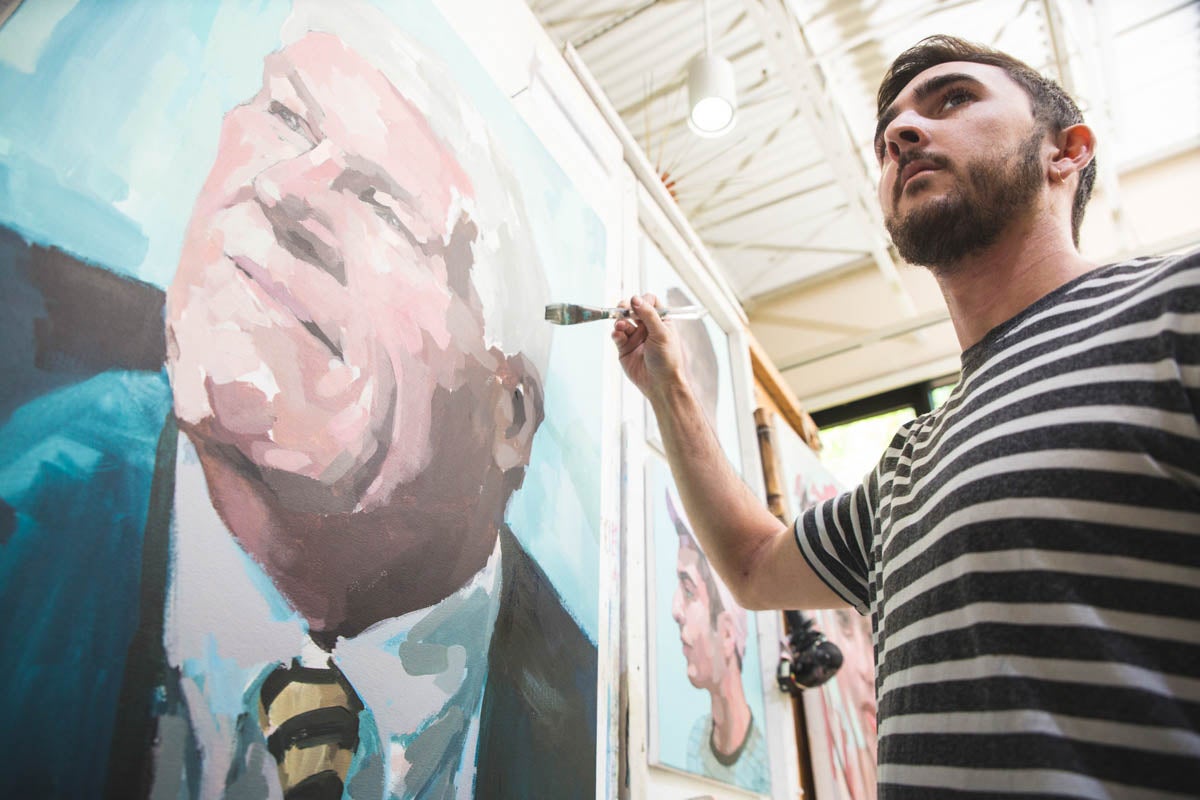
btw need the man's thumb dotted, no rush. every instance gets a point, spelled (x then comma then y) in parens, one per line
(644, 308)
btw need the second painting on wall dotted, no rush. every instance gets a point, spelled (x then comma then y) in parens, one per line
(706, 705)
(840, 715)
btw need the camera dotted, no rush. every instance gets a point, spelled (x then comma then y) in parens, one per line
(806, 659)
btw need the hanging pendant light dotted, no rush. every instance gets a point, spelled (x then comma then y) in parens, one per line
(712, 92)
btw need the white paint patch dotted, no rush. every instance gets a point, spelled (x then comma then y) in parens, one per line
(27, 32)
(262, 379)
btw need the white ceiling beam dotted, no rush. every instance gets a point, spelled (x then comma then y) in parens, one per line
(881, 29)
(784, 248)
(613, 19)
(698, 219)
(754, 303)
(650, 180)
(796, 62)
(837, 348)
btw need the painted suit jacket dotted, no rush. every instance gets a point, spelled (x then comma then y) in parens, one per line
(86, 495)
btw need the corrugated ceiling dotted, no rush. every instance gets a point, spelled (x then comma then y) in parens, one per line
(786, 202)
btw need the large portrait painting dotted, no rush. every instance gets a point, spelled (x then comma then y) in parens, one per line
(840, 715)
(298, 497)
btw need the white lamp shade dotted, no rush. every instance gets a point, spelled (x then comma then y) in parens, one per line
(712, 95)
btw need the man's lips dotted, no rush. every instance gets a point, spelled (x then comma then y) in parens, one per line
(281, 297)
(914, 168)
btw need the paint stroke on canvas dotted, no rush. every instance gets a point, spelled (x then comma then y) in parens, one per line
(295, 496)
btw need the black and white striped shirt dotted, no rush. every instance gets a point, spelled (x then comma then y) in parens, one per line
(1029, 554)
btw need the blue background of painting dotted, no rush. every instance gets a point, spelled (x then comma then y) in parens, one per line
(677, 704)
(658, 276)
(108, 128)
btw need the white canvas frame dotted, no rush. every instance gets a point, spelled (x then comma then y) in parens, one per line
(512, 45)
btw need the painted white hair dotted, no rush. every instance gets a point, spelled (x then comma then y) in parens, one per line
(507, 271)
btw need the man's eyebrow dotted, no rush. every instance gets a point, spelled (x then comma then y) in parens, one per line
(312, 108)
(923, 90)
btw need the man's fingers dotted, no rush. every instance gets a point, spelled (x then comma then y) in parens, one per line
(628, 337)
(644, 309)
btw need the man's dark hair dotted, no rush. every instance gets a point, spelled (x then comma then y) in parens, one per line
(715, 605)
(1053, 108)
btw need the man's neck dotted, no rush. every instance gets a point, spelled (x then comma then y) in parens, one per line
(730, 713)
(1033, 258)
(344, 573)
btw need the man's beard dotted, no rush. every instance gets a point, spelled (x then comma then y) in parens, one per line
(941, 233)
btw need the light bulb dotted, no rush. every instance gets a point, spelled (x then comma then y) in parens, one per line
(712, 95)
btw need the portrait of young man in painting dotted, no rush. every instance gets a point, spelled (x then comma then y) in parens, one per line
(727, 743)
(293, 496)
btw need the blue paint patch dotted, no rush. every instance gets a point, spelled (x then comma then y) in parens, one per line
(75, 467)
(221, 680)
(34, 203)
(119, 122)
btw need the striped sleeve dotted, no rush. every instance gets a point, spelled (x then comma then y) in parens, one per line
(835, 538)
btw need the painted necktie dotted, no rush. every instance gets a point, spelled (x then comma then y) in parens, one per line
(310, 718)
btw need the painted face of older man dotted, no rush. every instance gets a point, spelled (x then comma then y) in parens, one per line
(326, 342)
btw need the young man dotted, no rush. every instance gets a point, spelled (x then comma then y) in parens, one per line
(1028, 552)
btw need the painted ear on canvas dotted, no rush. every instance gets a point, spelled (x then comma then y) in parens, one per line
(305, 477)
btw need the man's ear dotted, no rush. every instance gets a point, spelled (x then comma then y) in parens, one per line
(518, 412)
(725, 628)
(1076, 149)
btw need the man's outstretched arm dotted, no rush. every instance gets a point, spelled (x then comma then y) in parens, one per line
(755, 555)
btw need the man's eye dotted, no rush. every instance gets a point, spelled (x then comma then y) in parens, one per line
(956, 98)
(382, 211)
(389, 216)
(289, 117)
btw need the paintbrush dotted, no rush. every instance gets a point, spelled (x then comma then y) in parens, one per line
(573, 314)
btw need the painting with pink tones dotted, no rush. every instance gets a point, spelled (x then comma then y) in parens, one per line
(298, 496)
(840, 715)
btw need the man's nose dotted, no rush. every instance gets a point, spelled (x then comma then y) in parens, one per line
(906, 132)
(677, 607)
(297, 175)
(289, 191)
